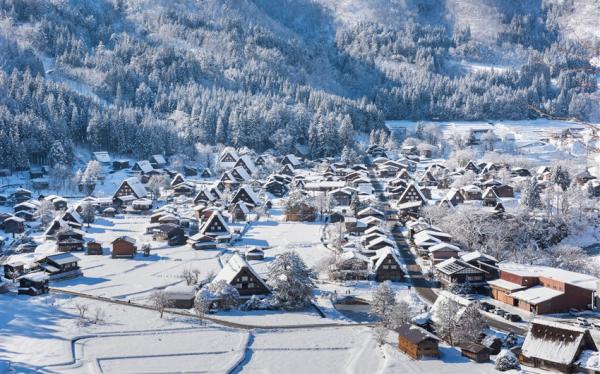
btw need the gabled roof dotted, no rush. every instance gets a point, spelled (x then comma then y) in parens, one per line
(102, 156)
(242, 173)
(229, 151)
(250, 192)
(382, 254)
(144, 166)
(444, 247)
(370, 211)
(136, 186)
(476, 255)
(62, 258)
(415, 334)
(455, 265)
(556, 342)
(292, 159)
(159, 159)
(125, 238)
(233, 267)
(216, 215)
(248, 162)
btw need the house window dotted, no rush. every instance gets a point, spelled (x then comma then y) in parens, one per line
(250, 285)
(238, 285)
(385, 267)
(244, 279)
(393, 267)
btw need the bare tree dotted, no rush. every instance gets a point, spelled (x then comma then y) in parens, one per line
(45, 212)
(88, 213)
(98, 316)
(160, 301)
(191, 276)
(82, 309)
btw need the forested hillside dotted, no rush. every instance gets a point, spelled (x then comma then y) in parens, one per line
(152, 76)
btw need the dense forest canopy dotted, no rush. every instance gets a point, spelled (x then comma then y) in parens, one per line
(144, 77)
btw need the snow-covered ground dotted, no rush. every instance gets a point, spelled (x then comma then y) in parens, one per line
(36, 336)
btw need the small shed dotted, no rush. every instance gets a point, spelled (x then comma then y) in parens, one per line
(14, 270)
(201, 241)
(475, 352)
(417, 342)
(181, 296)
(33, 284)
(94, 248)
(124, 246)
(254, 253)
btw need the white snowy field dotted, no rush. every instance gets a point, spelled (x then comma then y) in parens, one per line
(279, 237)
(133, 279)
(36, 337)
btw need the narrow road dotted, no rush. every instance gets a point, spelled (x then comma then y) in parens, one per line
(419, 283)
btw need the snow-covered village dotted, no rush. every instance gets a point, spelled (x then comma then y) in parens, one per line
(392, 261)
(299, 186)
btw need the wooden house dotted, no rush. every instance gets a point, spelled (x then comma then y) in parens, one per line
(387, 266)
(238, 273)
(239, 211)
(287, 170)
(476, 352)
(131, 187)
(555, 346)
(33, 284)
(247, 195)
(181, 296)
(120, 164)
(427, 179)
(228, 157)
(351, 265)
(489, 197)
(370, 212)
(412, 193)
(204, 196)
(94, 248)
(484, 262)
(471, 192)
(60, 266)
(123, 246)
(14, 225)
(247, 164)
(14, 270)
(254, 253)
(456, 271)
(504, 190)
(215, 226)
(341, 197)
(276, 188)
(291, 160)
(69, 240)
(201, 241)
(177, 180)
(205, 173)
(183, 189)
(260, 160)
(417, 342)
(442, 251)
(158, 161)
(170, 233)
(240, 174)
(142, 167)
(141, 205)
(21, 195)
(472, 166)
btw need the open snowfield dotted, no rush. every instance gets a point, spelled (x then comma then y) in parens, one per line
(133, 279)
(279, 237)
(37, 332)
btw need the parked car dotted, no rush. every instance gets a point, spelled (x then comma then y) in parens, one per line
(500, 312)
(582, 322)
(513, 317)
(487, 306)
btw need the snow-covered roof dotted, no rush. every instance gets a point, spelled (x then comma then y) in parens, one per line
(63, 258)
(232, 268)
(242, 173)
(144, 166)
(576, 279)
(136, 186)
(444, 247)
(249, 163)
(159, 159)
(370, 211)
(250, 192)
(536, 294)
(216, 215)
(381, 239)
(293, 160)
(179, 292)
(102, 157)
(553, 341)
(381, 255)
(477, 255)
(506, 285)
